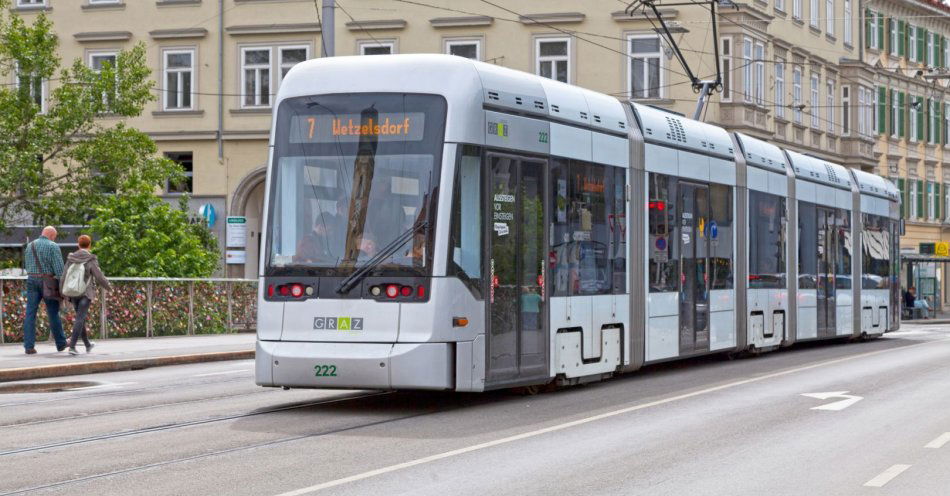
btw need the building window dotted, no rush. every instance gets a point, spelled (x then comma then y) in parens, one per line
(377, 47)
(780, 88)
(100, 60)
(186, 161)
(759, 73)
(645, 65)
(813, 13)
(934, 110)
(747, 69)
(726, 95)
(929, 56)
(470, 49)
(847, 22)
(914, 109)
(931, 201)
(103, 2)
(30, 3)
(895, 114)
(895, 36)
(780, 5)
(256, 76)
(33, 87)
(289, 56)
(946, 125)
(179, 77)
(553, 59)
(830, 17)
(797, 93)
(846, 107)
(815, 111)
(830, 104)
(797, 9)
(913, 199)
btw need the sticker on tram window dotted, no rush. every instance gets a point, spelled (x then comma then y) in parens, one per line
(324, 370)
(397, 126)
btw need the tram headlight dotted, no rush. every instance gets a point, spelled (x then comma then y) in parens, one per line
(375, 291)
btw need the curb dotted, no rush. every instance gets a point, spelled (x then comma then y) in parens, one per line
(42, 372)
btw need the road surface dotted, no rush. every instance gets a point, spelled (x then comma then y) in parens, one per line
(860, 418)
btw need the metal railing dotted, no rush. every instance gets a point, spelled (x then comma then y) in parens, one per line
(143, 307)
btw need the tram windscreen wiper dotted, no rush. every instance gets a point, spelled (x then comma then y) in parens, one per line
(347, 284)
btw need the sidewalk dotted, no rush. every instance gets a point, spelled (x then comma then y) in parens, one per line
(122, 354)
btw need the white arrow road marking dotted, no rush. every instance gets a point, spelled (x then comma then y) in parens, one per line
(837, 405)
(886, 476)
(940, 441)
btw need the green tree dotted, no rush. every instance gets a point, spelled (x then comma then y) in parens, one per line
(59, 163)
(139, 235)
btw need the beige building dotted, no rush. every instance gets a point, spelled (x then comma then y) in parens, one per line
(805, 73)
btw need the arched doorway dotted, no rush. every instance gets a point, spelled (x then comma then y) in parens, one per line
(248, 201)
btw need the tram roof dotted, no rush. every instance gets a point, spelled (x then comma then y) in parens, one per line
(817, 170)
(875, 185)
(761, 153)
(665, 128)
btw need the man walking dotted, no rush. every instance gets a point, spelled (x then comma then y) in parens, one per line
(42, 259)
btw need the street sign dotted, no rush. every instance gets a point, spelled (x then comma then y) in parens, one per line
(942, 249)
(207, 211)
(236, 232)
(837, 405)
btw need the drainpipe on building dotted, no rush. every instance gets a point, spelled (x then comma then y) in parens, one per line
(327, 28)
(220, 80)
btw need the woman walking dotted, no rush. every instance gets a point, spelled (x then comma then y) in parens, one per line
(87, 268)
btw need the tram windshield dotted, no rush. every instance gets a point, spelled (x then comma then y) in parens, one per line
(351, 173)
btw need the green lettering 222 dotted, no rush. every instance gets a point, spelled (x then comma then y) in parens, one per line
(324, 370)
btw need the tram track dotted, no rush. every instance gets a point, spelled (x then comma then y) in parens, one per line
(180, 425)
(135, 409)
(235, 449)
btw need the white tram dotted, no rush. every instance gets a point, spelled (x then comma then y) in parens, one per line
(438, 223)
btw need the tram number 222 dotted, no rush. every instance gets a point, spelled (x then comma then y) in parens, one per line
(324, 370)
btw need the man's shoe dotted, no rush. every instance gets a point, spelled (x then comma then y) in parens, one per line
(31, 351)
(72, 351)
(90, 346)
(58, 349)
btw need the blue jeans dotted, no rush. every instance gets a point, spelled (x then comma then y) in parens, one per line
(34, 293)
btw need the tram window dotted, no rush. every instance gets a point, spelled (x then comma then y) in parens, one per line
(766, 241)
(843, 257)
(661, 208)
(876, 244)
(617, 218)
(466, 236)
(559, 231)
(720, 236)
(807, 246)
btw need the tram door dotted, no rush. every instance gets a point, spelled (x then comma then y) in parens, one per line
(517, 334)
(694, 267)
(827, 244)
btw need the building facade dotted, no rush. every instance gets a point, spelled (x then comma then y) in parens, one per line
(818, 76)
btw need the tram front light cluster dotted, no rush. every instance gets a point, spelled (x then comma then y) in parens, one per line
(392, 291)
(290, 290)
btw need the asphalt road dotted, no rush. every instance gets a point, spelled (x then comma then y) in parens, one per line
(707, 427)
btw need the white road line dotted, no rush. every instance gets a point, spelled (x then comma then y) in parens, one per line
(886, 476)
(587, 420)
(939, 442)
(103, 386)
(223, 373)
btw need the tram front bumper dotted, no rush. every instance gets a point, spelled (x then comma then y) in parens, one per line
(355, 365)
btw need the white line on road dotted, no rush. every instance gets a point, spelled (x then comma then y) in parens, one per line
(103, 386)
(886, 476)
(939, 442)
(223, 373)
(587, 420)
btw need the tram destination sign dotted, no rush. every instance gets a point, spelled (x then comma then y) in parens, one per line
(321, 128)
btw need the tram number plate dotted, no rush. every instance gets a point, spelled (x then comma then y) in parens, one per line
(324, 370)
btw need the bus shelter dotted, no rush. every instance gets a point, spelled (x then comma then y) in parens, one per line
(925, 271)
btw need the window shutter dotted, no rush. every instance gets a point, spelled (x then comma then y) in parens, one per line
(921, 44)
(920, 118)
(920, 199)
(903, 114)
(901, 38)
(943, 50)
(902, 190)
(926, 104)
(881, 110)
(867, 27)
(880, 31)
(937, 200)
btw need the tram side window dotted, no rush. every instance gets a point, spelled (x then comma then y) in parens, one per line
(766, 241)
(466, 236)
(587, 244)
(876, 243)
(720, 236)
(663, 272)
(807, 246)
(843, 257)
